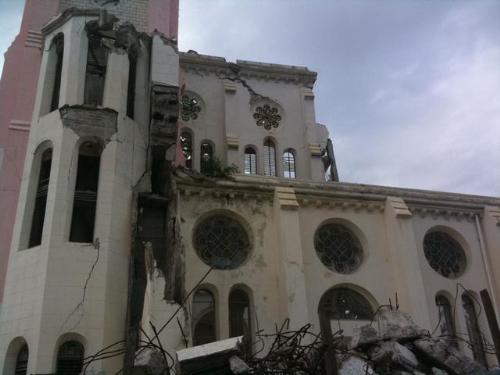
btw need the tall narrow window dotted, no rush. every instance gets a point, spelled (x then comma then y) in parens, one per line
(288, 164)
(445, 318)
(203, 317)
(250, 161)
(206, 157)
(85, 200)
(473, 330)
(132, 74)
(187, 148)
(58, 44)
(239, 313)
(97, 60)
(269, 158)
(41, 199)
(70, 358)
(22, 361)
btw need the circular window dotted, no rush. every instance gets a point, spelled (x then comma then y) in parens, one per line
(338, 248)
(444, 254)
(221, 242)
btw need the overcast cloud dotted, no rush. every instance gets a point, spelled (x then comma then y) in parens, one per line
(410, 90)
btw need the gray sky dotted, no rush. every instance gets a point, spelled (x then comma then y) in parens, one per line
(410, 90)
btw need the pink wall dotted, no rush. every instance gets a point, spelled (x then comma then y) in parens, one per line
(163, 16)
(17, 96)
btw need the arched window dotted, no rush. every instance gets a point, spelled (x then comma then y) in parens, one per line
(289, 164)
(344, 303)
(473, 330)
(250, 161)
(445, 318)
(41, 199)
(206, 156)
(85, 200)
(269, 158)
(239, 313)
(58, 45)
(22, 361)
(70, 358)
(187, 148)
(203, 320)
(97, 61)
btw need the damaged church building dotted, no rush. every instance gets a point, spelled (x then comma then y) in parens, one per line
(173, 201)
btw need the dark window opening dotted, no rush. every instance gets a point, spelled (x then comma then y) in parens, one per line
(288, 164)
(97, 60)
(239, 313)
(345, 304)
(85, 200)
(132, 74)
(269, 158)
(41, 199)
(473, 330)
(446, 319)
(70, 358)
(206, 157)
(58, 44)
(22, 361)
(250, 161)
(203, 317)
(187, 149)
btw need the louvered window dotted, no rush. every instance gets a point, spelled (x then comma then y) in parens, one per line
(97, 61)
(22, 361)
(70, 358)
(41, 199)
(473, 330)
(269, 158)
(203, 317)
(85, 200)
(289, 164)
(250, 161)
(58, 44)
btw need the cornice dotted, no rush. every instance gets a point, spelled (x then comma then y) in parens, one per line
(204, 64)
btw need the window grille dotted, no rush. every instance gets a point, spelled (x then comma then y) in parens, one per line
(221, 242)
(22, 361)
(187, 148)
(269, 158)
(206, 157)
(473, 330)
(288, 164)
(58, 44)
(338, 248)
(445, 318)
(250, 161)
(41, 199)
(444, 254)
(97, 61)
(345, 304)
(70, 358)
(85, 198)
(203, 317)
(266, 116)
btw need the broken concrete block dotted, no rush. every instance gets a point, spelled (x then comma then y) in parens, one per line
(151, 361)
(355, 366)
(364, 335)
(238, 366)
(395, 324)
(447, 357)
(394, 353)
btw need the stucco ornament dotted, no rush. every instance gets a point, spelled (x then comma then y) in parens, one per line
(267, 116)
(221, 242)
(444, 254)
(190, 108)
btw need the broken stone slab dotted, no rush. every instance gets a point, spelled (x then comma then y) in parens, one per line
(447, 357)
(150, 361)
(395, 354)
(355, 366)
(394, 324)
(364, 335)
(238, 366)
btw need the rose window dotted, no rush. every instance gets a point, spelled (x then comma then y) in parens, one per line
(267, 116)
(444, 254)
(221, 242)
(190, 108)
(338, 248)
